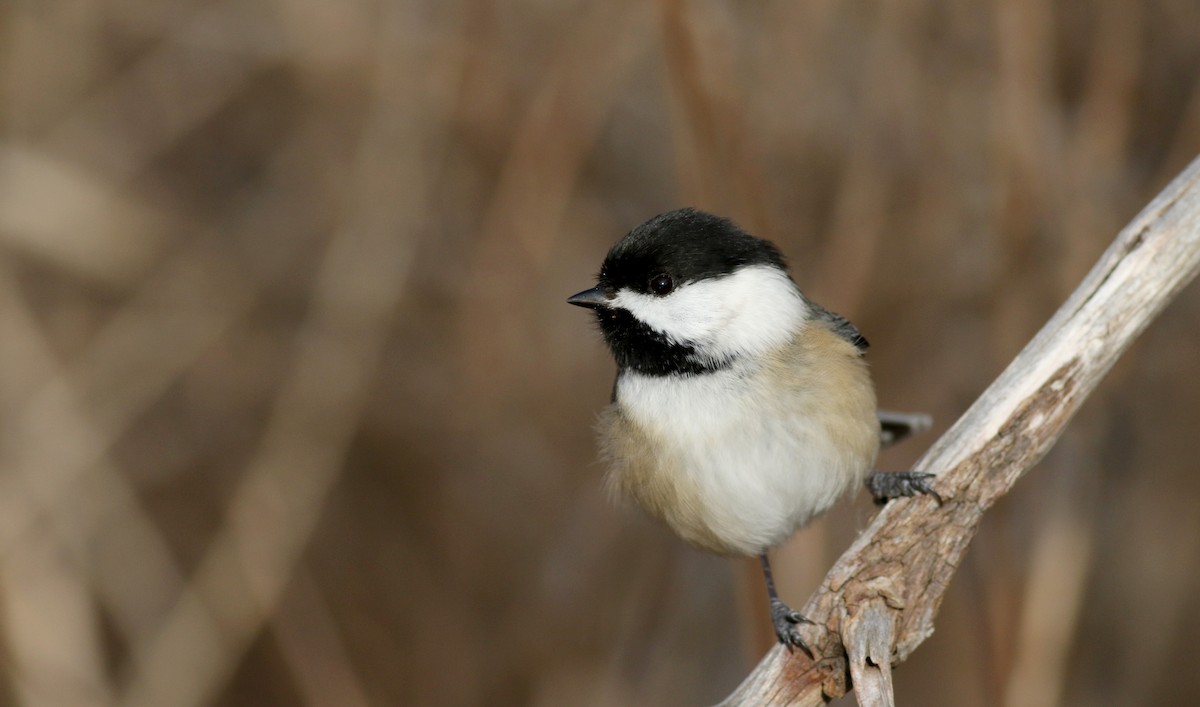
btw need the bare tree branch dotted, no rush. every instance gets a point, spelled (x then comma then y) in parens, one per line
(879, 601)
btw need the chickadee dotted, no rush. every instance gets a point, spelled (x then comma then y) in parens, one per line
(741, 409)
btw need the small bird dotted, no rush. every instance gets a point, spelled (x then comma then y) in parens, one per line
(741, 408)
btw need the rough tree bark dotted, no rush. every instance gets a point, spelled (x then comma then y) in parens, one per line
(879, 601)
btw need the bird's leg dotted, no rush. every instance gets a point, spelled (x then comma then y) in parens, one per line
(783, 616)
(886, 485)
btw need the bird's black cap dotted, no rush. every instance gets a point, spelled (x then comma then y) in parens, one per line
(686, 244)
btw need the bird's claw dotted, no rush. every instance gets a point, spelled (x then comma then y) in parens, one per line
(786, 620)
(886, 485)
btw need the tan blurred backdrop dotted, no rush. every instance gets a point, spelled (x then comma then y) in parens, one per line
(292, 411)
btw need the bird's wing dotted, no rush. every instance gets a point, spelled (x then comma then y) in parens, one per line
(840, 326)
(893, 426)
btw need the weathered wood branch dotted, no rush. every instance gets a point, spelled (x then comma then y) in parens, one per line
(879, 601)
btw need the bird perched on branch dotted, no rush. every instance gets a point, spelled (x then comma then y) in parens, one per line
(741, 409)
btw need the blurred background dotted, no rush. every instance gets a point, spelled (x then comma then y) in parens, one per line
(292, 410)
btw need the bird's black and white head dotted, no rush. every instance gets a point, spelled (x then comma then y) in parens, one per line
(688, 292)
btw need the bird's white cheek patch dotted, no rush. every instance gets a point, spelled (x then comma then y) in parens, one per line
(748, 312)
(691, 313)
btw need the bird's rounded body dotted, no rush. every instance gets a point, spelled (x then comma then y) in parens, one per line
(735, 460)
(742, 409)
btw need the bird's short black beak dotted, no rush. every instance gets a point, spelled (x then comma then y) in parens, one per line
(594, 298)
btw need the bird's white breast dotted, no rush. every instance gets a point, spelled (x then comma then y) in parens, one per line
(758, 456)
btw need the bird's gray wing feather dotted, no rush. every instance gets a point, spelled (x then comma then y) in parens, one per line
(840, 325)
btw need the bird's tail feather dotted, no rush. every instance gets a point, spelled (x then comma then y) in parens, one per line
(895, 426)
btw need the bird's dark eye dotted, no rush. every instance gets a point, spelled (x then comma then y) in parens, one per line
(661, 284)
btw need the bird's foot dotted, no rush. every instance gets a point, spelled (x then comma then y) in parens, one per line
(786, 620)
(886, 485)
